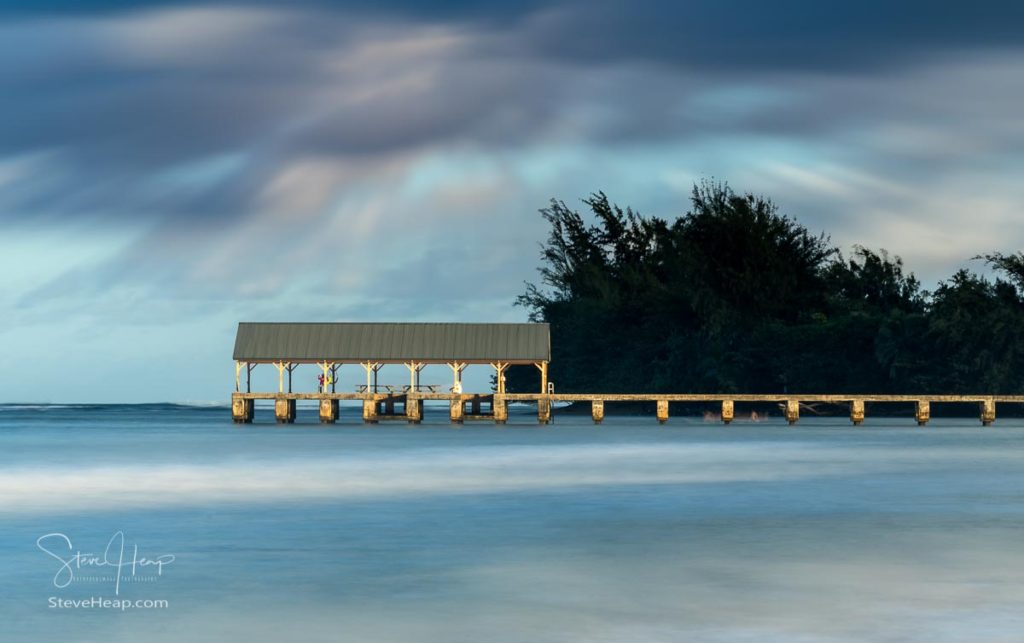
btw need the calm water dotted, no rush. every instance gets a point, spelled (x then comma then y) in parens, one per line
(629, 532)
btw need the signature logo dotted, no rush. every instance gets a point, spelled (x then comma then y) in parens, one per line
(124, 561)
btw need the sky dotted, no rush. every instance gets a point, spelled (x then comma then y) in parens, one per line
(168, 169)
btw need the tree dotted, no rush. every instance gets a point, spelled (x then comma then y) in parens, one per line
(735, 296)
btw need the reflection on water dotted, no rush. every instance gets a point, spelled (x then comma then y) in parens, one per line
(625, 532)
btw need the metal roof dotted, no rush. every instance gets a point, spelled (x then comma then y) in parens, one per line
(391, 342)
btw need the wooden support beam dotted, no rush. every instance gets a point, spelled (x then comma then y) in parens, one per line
(325, 368)
(249, 367)
(988, 411)
(923, 412)
(857, 412)
(597, 411)
(280, 366)
(291, 368)
(662, 411)
(414, 374)
(499, 370)
(543, 368)
(728, 411)
(371, 369)
(238, 376)
(457, 368)
(334, 377)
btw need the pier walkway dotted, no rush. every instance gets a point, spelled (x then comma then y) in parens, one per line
(408, 406)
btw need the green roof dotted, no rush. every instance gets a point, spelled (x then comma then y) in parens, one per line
(391, 342)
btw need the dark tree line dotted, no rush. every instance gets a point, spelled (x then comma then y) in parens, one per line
(735, 297)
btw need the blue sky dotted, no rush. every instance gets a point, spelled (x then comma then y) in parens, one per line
(170, 168)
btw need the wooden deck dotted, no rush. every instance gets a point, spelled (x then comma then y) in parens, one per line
(494, 406)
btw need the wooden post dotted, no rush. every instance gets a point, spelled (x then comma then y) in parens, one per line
(291, 367)
(280, 376)
(328, 411)
(792, 411)
(500, 406)
(324, 368)
(988, 411)
(499, 370)
(248, 376)
(544, 410)
(414, 374)
(543, 368)
(371, 369)
(728, 411)
(334, 377)
(662, 411)
(457, 369)
(474, 405)
(238, 376)
(923, 412)
(597, 411)
(857, 412)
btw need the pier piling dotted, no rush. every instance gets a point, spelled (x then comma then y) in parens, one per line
(328, 411)
(857, 412)
(500, 409)
(242, 410)
(543, 410)
(413, 410)
(370, 411)
(728, 411)
(456, 409)
(792, 411)
(284, 410)
(923, 412)
(988, 412)
(662, 411)
(597, 411)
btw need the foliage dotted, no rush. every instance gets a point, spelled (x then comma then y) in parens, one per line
(734, 296)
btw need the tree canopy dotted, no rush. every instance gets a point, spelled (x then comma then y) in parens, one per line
(735, 297)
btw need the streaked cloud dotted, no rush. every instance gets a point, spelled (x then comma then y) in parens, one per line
(165, 161)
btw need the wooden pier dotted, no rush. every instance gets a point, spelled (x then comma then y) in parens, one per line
(371, 345)
(493, 407)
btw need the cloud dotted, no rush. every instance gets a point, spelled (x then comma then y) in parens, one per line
(347, 160)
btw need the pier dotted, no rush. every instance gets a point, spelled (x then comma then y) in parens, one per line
(369, 346)
(377, 407)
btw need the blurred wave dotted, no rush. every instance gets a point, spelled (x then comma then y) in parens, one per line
(427, 471)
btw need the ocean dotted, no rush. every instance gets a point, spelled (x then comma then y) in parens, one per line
(626, 532)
